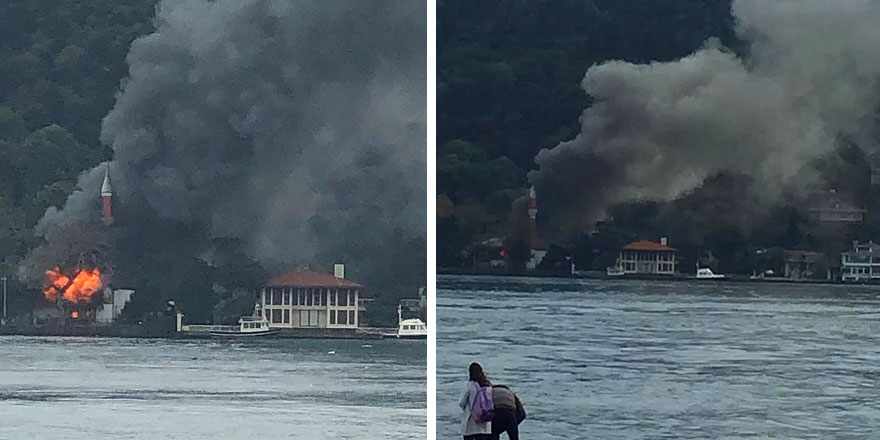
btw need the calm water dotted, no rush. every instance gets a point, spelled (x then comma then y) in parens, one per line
(633, 360)
(83, 388)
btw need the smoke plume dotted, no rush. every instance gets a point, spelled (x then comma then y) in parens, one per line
(297, 127)
(657, 130)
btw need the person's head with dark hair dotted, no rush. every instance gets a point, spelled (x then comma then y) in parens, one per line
(477, 375)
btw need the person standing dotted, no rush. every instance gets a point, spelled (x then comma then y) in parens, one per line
(471, 427)
(508, 413)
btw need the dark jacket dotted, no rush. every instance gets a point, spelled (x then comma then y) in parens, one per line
(504, 398)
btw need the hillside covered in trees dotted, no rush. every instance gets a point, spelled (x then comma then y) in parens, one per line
(61, 63)
(509, 85)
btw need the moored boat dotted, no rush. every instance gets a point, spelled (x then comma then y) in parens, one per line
(248, 326)
(706, 274)
(412, 328)
(616, 270)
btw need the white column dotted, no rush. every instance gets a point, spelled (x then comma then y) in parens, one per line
(327, 306)
(357, 309)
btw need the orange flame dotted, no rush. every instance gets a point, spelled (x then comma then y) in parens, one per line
(84, 285)
(74, 314)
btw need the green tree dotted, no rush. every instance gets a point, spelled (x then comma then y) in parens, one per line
(12, 126)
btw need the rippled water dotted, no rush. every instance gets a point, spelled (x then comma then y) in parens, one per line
(85, 388)
(633, 360)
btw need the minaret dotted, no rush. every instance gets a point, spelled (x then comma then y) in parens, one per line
(533, 204)
(106, 198)
(536, 248)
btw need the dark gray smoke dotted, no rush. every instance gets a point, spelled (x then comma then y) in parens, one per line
(657, 130)
(296, 126)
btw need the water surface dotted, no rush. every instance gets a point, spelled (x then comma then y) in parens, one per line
(678, 360)
(89, 388)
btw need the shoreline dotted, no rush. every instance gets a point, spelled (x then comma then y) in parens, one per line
(600, 276)
(163, 332)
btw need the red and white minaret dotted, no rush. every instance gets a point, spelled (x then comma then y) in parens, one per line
(536, 246)
(107, 198)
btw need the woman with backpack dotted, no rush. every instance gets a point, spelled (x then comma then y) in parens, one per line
(476, 405)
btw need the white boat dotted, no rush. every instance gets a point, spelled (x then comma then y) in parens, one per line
(615, 271)
(412, 328)
(248, 326)
(707, 274)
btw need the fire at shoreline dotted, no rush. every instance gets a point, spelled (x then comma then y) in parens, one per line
(79, 289)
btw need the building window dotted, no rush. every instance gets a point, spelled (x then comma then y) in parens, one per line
(343, 317)
(333, 317)
(316, 297)
(286, 319)
(333, 297)
(351, 317)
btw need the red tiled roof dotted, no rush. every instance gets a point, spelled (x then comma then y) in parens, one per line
(308, 278)
(806, 256)
(646, 245)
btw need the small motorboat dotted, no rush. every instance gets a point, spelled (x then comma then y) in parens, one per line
(248, 326)
(412, 328)
(706, 274)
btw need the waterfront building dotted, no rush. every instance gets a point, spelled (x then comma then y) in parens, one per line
(647, 257)
(308, 299)
(861, 263)
(802, 264)
(832, 207)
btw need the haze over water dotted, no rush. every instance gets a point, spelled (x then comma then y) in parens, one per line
(633, 360)
(90, 388)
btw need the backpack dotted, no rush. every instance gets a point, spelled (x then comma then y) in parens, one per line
(483, 408)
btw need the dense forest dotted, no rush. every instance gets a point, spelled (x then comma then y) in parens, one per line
(508, 85)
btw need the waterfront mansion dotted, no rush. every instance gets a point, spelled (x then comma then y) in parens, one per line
(308, 299)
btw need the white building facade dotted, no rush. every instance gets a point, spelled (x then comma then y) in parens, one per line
(307, 299)
(862, 263)
(647, 257)
(114, 302)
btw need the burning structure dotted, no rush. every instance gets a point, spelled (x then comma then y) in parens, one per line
(293, 130)
(83, 294)
(78, 289)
